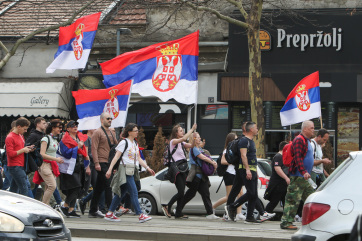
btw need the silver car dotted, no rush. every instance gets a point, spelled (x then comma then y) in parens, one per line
(155, 190)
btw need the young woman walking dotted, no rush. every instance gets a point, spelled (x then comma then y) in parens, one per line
(178, 144)
(125, 178)
(229, 180)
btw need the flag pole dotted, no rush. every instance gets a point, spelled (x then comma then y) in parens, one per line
(290, 132)
(320, 119)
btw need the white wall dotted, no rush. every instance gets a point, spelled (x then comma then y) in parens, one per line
(31, 61)
(207, 88)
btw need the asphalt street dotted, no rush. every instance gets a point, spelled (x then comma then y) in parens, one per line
(196, 228)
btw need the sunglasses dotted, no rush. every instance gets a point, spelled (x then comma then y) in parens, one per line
(109, 118)
(74, 125)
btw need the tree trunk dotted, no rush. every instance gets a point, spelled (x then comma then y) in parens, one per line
(255, 83)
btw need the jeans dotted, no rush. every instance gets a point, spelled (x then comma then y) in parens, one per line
(7, 177)
(133, 192)
(19, 183)
(117, 199)
(100, 203)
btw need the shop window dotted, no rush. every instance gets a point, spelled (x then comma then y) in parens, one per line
(214, 112)
(348, 132)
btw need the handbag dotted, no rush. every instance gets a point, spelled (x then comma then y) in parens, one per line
(130, 169)
(182, 165)
(29, 164)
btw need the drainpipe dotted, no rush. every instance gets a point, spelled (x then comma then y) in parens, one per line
(119, 32)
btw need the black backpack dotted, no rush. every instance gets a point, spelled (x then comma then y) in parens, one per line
(232, 154)
(221, 169)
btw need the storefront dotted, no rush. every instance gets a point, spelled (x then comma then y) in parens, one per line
(30, 98)
(292, 48)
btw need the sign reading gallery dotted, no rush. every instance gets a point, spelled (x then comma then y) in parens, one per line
(320, 39)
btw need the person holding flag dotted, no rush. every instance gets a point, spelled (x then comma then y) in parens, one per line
(76, 159)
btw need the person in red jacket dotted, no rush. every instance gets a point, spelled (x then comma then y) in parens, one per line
(15, 149)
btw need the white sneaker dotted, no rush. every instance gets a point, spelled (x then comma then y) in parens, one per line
(240, 217)
(212, 216)
(267, 216)
(174, 211)
(297, 218)
(225, 217)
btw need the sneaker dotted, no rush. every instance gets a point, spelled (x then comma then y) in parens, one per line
(252, 221)
(64, 211)
(97, 214)
(123, 210)
(103, 211)
(297, 218)
(267, 216)
(231, 212)
(130, 212)
(73, 214)
(225, 217)
(212, 217)
(144, 218)
(181, 217)
(165, 211)
(57, 207)
(290, 227)
(240, 217)
(111, 217)
(82, 206)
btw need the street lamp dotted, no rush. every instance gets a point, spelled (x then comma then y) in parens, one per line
(119, 32)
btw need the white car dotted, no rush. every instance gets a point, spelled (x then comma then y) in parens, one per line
(156, 191)
(330, 212)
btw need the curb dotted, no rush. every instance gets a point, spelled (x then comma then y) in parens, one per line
(143, 235)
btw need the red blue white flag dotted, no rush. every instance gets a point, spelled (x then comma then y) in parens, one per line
(303, 103)
(75, 43)
(166, 70)
(91, 104)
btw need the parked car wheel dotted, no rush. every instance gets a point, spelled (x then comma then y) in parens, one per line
(147, 203)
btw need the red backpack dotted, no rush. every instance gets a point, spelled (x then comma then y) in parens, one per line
(288, 153)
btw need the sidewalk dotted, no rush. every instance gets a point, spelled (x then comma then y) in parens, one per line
(196, 228)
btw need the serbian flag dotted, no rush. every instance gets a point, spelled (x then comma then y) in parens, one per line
(91, 104)
(75, 43)
(303, 103)
(166, 70)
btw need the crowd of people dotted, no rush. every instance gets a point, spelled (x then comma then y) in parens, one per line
(72, 161)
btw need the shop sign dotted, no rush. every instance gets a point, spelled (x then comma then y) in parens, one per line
(320, 39)
(39, 100)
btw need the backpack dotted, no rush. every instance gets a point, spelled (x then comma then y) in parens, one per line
(37, 157)
(232, 154)
(288, 153)
(221, 169)
(167, 154)
(112, 153)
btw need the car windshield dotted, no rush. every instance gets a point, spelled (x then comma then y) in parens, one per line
(335, 175)
(265, 168)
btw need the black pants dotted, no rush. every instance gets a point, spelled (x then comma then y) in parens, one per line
(275, 198)
(251, 194)
(202, 187)
(102, 183)
(71, 196)
(180, 184)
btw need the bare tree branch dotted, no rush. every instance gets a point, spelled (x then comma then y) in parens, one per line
(217, 13)
(10, 53)
(239, 5)
(4, 47)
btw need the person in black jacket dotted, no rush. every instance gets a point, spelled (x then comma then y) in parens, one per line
(279, 181)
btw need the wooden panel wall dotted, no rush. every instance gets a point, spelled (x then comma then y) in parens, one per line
(236, 89)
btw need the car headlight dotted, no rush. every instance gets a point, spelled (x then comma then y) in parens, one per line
(9, 224)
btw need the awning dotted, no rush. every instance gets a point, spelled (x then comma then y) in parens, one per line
(35, 99)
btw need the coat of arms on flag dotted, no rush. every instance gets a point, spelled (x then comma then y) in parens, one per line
(302, 98)
(169, 66)
(111, 105)
(77, 42)
(168, 70)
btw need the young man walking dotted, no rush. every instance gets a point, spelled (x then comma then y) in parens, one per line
(246, 173)
(15, 149)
